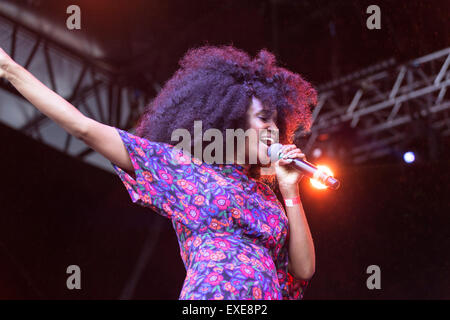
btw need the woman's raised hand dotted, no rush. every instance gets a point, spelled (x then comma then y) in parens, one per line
(102, 138)
(5, 62)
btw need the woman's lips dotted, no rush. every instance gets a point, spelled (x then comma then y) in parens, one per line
(267, 141)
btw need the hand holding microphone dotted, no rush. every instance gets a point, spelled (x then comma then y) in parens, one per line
(307, 168)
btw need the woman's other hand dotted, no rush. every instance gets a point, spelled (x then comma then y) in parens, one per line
(287, 176)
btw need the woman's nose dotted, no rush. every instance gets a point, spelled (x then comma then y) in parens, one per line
(272, 132)
(271, 126)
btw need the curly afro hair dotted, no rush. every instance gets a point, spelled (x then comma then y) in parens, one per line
(215, 84)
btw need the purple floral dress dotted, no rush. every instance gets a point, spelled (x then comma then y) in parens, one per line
(231, 229)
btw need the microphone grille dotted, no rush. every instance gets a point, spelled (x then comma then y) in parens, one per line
(273, 151)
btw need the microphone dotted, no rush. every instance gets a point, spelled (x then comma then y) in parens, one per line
(308, 169)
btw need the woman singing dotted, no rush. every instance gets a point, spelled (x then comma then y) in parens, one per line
(236, 239)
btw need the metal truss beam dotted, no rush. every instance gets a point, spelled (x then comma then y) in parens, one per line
(101, 95)
(379, 102)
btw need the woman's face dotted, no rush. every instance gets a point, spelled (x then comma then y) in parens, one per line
(262, 123)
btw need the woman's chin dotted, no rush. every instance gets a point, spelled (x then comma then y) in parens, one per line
(263, 160)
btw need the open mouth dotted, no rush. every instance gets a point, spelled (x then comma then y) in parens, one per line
(267, 141)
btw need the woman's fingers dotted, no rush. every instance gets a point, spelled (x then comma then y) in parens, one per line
(286, 148)
(291, 151)
(296, 154)
(283, 162)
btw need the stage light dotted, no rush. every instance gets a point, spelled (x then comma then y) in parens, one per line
(316, 184)
(409, 157)
(317, 152)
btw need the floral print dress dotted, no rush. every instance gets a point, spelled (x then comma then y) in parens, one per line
(231, 229)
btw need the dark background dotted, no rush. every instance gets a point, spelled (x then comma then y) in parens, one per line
(321, 39)
(56, 211)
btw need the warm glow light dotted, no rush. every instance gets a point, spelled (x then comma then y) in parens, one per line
(317, 152)
(316, 184)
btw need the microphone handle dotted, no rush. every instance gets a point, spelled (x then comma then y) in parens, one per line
(306, 167)
(313, 172)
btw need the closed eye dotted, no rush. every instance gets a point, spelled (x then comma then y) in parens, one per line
(265, 116)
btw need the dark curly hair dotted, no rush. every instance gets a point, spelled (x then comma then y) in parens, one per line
(215, 84)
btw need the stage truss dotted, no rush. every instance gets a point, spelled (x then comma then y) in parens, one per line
(377, 104)
(96, 89)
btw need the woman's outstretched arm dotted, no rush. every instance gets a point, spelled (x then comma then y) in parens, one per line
(102, 138)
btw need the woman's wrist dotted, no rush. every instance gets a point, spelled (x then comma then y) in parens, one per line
(289, 191)
(9, 69)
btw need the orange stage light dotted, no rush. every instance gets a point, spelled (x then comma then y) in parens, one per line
(315, 183)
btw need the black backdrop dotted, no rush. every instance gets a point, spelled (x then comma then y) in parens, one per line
(56, 211)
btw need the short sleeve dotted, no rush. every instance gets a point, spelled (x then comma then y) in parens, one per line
(162, 174)
(291, 288)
